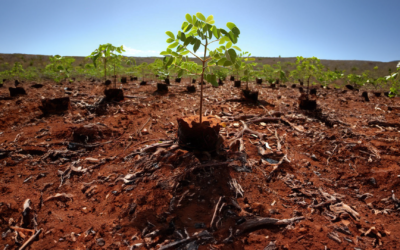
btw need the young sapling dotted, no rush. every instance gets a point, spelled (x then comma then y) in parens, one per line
(195, 32)
(106, 52)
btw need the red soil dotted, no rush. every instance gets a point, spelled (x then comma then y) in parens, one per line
(114, 195)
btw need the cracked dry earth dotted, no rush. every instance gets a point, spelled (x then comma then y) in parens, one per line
(115, 178)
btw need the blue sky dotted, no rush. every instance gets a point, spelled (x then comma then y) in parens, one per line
(327, 29)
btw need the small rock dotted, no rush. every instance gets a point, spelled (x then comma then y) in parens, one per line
(100, 242)
(145, 132)
(236, 125)
(263, 124)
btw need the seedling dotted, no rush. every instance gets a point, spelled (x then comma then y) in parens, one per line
(199, 31)
(222, 73)
(191, 68)
(116, 61)
(131, 63)
(376, 82)
(307, 68)
(247, 68)
(61, 66)
(326, 77)
(106, 52)
(357, 81)
(155, 67)
(241, 65)
(268, 72)
(395, 79)
(279, 73)
(16, 71)
(143, 68)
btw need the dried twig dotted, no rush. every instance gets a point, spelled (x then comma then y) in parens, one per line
(215, 213)
(139, 131)
(31, 239)
(253, 224)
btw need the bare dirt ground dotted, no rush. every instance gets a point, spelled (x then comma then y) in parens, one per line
(115, 178)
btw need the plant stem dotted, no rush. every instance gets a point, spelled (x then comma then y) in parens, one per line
(115, 78)
(201, 82)
(308, 86)
(105, 69)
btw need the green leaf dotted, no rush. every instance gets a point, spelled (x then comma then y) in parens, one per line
(170, 61)
(230, 25)
(206, 77)
(209, 19)
(183, 37)
(188, 40)
(189, 18)
(237, 65)
(236, 31)
(200, 34)
(180, 73)
(228, 45)
(170, 34)
(173, 45)
(224, 32)
(221, 61)
(197, 24)
(184, 24)
(187, 28)
(170, 40)
(223, 40)
(236, 48)
(200, 16)
(164, 53)
(213, 80)
(196, 46)
(184, 52)
(231, 55)
(227, 63)
(216, 32)
(233, 37)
